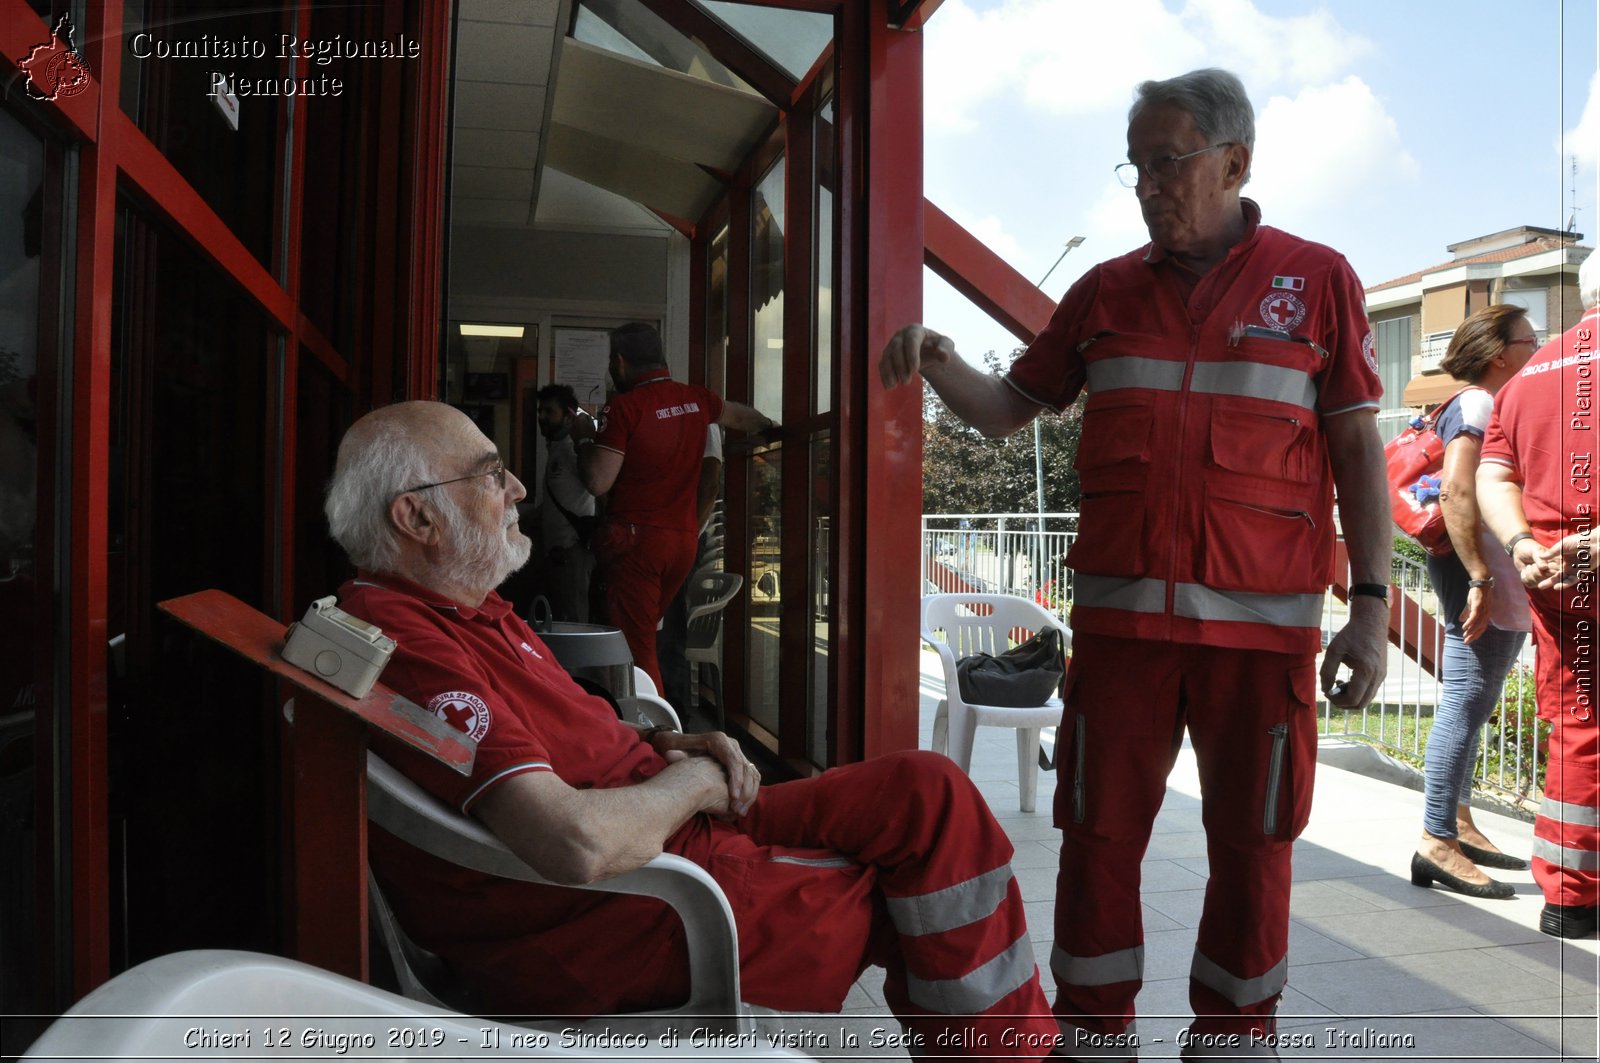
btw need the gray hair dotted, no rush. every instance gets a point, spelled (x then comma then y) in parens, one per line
(379, 462)
(1213, 97)
(1589, 281)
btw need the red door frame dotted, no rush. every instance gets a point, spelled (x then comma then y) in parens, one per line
(113, 149)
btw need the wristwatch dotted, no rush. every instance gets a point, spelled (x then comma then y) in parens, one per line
(1486, 582)
(1371, 590)
(1511, 543)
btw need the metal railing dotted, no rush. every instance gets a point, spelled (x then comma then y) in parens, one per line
(1009, 553)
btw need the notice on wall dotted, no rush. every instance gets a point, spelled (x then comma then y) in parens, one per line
(580, 362)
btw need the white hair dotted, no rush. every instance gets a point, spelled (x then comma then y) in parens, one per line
(384, 462)
(1589, 281)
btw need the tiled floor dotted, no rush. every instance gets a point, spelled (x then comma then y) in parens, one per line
(1374, 960)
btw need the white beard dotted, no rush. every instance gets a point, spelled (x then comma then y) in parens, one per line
(479, 557)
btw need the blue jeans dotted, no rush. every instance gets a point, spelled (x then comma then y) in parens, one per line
(1473, 678)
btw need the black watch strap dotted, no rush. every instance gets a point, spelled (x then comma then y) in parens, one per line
(1371, 590)
(1511, 543)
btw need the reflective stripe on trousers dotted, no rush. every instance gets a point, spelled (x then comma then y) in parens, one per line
(1255, 380)
(1242, 991)
(977, 990)
(1196, 601)
(1124, 965)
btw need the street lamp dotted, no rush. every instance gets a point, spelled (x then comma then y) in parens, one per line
(1038, 447)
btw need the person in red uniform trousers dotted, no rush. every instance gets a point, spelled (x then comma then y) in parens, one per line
(646, 456)
(894, 861)
(1232, 386)
(1538, 494)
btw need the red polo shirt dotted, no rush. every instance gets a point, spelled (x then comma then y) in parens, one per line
(659, 427)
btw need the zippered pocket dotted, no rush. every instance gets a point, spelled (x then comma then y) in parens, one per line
(1280, 748)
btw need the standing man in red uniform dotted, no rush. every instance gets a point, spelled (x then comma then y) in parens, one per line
(1232, 386)
(647, 454)
(895, 861)
(1538, 494)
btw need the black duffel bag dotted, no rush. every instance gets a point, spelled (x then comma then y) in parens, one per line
(1024, 676)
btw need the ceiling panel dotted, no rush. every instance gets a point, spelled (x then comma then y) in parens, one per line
(522, 12)
(489, 105)
(493, 147)
(464, 210)
(506, 53)
(491, 182)
(659, 181)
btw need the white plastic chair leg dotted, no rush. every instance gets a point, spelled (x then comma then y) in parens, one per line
(1028, 766)
(963, 730)
(941, 727)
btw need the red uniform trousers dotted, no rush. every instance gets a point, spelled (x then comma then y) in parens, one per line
(928, 894)
(1251, 720)
(643, 567)
(1566, 834)
(895, 861)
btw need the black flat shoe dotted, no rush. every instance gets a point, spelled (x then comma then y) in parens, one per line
(1569, 920)
(1425, 871)
(1485, 858)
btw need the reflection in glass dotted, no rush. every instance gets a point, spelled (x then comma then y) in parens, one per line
(717, 314)
(792, 39)
(822, 390)
(765, 584)
(821, 678)
(766, 292)
(630, 28)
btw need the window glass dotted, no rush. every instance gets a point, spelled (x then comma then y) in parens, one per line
(765, 585)
(766, 292)
(821, 678)
(791, 39)
(1393, 342)
(174, 52)
(630, 28)
(826, 178)
(717, 314)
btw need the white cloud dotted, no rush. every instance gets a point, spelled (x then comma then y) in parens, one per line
(1069, 58)
(1325, 148)
(1583, 139)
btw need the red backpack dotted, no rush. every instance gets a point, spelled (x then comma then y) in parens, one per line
(1415, 460)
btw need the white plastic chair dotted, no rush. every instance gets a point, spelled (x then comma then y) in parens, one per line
(710, 590)
(148, 1012)
(957, 625)
(411, 814)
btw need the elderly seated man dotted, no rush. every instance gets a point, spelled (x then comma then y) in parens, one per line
(895, 861)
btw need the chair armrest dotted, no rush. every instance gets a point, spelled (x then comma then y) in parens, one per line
(947, 657)
(651, 710)
(411, 814)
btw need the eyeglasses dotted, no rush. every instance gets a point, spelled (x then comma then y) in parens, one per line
(498, 471)
(1531, 341)
(1160, 169)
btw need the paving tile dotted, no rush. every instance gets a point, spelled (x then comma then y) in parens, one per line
(1394, 892)
(1036, 883)
(1410, 984)
(1556, 1025)
(1570, 964)
(1322, 898)
(1175, 845)
(1164, 876)
(1400, 932)
(1181, 906)
(1031, 853)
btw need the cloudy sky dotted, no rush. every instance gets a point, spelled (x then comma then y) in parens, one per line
(1386, 128)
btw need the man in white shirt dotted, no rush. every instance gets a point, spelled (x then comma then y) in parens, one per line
(566, 510)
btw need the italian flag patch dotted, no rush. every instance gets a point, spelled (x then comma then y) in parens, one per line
(1290, 284)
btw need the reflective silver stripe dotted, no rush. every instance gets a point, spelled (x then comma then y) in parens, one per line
(1242, 991)
(1561, 856)
(813, 861)
(1086, 1044)
(1255, 380)
(977, 990)
(1117, 592)
(959, 905)
(1124, 965)
(1576, 815)
(1112, 374)
(1200, 602)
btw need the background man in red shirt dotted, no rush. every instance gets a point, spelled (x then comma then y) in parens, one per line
(1537, 492)
(646, 457)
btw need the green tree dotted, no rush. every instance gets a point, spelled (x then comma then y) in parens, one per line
(962, 472)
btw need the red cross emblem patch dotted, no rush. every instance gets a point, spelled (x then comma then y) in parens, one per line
(1282, 311)
(465, 712)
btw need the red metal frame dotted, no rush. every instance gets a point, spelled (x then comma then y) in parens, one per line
(728, 47)
(983, 276)
(114, 151)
